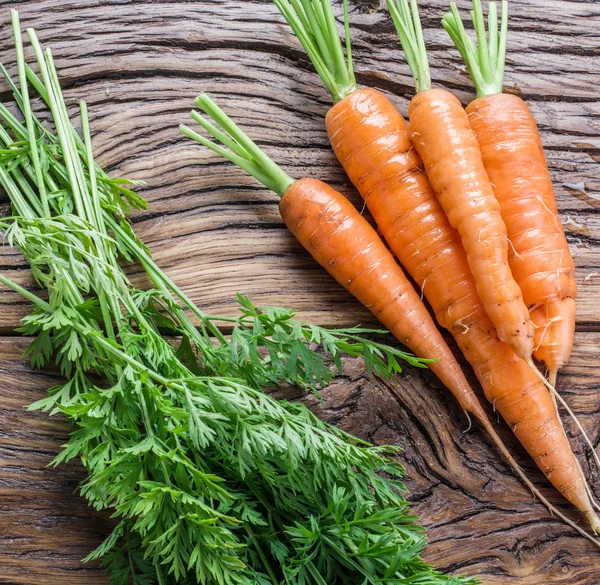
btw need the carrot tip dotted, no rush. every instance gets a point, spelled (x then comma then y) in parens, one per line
(594, 521)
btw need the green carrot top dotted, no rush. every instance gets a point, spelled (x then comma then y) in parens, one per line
(408, 25)
(314, 23)
(232, 142)
(484, 60)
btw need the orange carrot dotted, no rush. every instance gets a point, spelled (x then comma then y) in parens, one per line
(345, 244)
(442, 135)
(514, 160)
(371, 140)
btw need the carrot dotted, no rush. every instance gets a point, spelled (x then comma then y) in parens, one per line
(442, 136)
(319, 216)
(343, 242)
(514, 159)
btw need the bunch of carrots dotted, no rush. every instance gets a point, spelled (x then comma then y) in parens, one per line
(464, 202)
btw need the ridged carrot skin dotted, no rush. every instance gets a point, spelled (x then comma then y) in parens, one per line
(554, 333)
(371, 140)
(442, 135)
(344, 243)
(539, 255)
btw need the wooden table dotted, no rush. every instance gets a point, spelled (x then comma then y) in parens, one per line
(215, 231)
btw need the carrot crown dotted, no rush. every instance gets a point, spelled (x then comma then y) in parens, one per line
(313, 22)
(484, 60)
(408, 25)
(232, 143)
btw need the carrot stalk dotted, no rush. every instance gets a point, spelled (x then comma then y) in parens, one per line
(408, 26)
(485, 61)
(320, 39)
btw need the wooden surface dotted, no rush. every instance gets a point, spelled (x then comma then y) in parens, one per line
(215, 231)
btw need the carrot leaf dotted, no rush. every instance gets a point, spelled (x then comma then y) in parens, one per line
(314, 23)
(406, 19)
(485, 59)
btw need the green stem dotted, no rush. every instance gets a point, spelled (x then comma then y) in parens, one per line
(314, 23)
(95, 198)
(56, 108)
(316, 574)
(408, 25)
(485, 60)
(236, 146)
(261, 554)
(41, 303)
(95, 213)
(26, 108)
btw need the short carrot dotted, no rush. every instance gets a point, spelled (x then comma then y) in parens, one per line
(371, 140)
(442, 135)
(331, 229)
(514, 159)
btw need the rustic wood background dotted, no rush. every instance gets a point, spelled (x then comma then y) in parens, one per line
(215, 231)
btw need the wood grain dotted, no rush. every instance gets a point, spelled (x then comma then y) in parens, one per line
(139, 64)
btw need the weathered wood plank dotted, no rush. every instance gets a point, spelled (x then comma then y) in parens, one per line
(140, 64)
(481, 520)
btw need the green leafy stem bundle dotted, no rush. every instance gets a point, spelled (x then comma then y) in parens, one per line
(211, 479)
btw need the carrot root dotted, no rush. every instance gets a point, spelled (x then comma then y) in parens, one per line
(560, 399)
(593, 519)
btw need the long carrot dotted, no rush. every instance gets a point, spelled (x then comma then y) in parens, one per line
(442, 136)
(317, 215)
(335, 234)
(514, 159)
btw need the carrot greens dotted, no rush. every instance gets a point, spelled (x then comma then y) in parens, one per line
(211, 480)
(314, 23)
(485, 60)
(405, 15)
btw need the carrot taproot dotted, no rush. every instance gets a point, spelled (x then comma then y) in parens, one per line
(343, 242)
(554, 334)
(442, 135)
(331, 229)
(514, 159)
